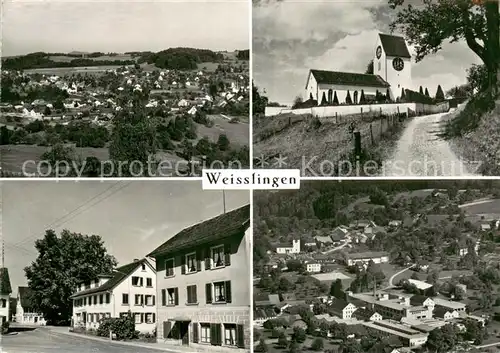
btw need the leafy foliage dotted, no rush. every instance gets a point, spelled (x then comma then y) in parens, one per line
(123, 327)
(63, 263)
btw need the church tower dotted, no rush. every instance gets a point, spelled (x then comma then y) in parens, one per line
(392, 62)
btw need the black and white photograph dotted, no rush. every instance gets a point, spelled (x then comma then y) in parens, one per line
(384, 88)
(124, 88)
(126, 266)
(377, 266)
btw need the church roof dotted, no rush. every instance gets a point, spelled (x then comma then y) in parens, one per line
(5, 287)
(348, 79)
(394, 46)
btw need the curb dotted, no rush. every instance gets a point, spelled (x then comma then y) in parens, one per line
(131, 344)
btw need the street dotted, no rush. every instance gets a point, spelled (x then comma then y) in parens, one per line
(421, 152)
(42, 340)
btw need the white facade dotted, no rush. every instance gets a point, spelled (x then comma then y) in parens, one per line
(294, 249)
(313, 267)
(366, 260)
(384, 68)
(135, 293)
(348, 311)
(4, 307)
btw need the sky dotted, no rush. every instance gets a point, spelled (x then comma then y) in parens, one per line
(290, 37)
(123, 25)
(133, 217)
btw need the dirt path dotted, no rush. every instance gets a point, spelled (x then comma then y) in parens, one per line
(422, 152)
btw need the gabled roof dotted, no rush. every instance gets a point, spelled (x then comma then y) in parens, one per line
(25, 294)
(121, 273)
(394, 45)
(348, 79)
(218, 228)
(363, 314)
(418, 299)
(338, 304)
(5, 287)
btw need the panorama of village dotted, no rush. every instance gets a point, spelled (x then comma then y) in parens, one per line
(378, 267)
(82, 113)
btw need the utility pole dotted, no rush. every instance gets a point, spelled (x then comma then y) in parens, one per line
(224, 200)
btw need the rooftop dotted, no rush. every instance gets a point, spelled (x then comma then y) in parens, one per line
(449, 303)
(367, 255)
(394, 45)
(5, 287)
(215, 229)
(348, 79)
(395, 329)
(419, 284)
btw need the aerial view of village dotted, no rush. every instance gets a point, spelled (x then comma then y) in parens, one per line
(93, 105)
(377, 267)
(145, 282)
(402, 88)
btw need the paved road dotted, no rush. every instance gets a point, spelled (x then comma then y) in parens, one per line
(397, 274)
(422, 152)
(43, 341)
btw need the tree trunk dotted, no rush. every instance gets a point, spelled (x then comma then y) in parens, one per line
(493, 43)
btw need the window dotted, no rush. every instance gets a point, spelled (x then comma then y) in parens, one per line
(191, 263)
(101, 299)
(138, 318)
(143, 267)
(137, 281)
(230, 334)
(169, 268)
(139, 299)
(108, 298)
(3, 303)
(221, 292)
(95, 299)
(205, 333)
(192, 295)
(150, 318)
(124, 298)
(379, 66)
(218, 256)
(149, 282)
(170, 296)
(150, 300)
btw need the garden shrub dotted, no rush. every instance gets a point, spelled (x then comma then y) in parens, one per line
(122, 327)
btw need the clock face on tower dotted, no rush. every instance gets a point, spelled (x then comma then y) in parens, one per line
(398, 64)
(379, 52)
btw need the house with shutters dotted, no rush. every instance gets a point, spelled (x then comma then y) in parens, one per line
(130, 288)
(203, 285)
(26, 314)
(5, 291)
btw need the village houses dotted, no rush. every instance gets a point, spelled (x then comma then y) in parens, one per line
(25, 312)
(5, 291)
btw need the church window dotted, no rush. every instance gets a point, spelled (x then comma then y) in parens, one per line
(379, 66)
(355, 97)
(330, 96)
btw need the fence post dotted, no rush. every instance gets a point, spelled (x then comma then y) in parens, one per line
(336, 118)
(357, 144)
(408, 112)
(361, 113)
(371, 133)
(289, 121)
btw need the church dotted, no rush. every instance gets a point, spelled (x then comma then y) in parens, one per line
(391, 74)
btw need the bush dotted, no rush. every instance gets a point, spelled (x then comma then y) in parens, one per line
(317, 345)
(123, 327)
(5, 327)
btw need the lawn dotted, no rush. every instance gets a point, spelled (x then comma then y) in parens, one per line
(491, 206)
(63, 58)
(237, 133)
(272, 342)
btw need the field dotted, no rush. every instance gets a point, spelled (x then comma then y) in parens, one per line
(63, 58)
(71, 70)
(271, 342)
(237, 133)
(492, 206)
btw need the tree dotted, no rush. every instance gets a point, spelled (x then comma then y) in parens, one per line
(427, 92)
(47, 111)
(403, 95)
(262, 346)
(369, 68)
(299, 335)
(388, 95)
(348, 99)
(421, 90)
(323, 99)
(336, 289)
(282, 340)
(223, 142)
(439, 94)
(297, 102)
(362, 99)
(259, 102)
(317, 344)
(335, 98)
(63, 263)
(294, 347)
(435, 22)
(477, 78)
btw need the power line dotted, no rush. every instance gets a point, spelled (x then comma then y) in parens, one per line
(77, 211)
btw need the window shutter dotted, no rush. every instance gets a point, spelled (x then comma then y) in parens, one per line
(227, 254)
(213, 334)
(154, 299)
(107, 298)
(141, 281)
(142, 299)
(154, 318)
(183, 264)
(208, 292)
(218, 329)
(167, 327)
(207, 259)
(240, 336)
(163, 297)
(199, 256)
(228, 292)
(195, 332)
(142, 318)
(188, 289)
(176, 295)
(195, 294)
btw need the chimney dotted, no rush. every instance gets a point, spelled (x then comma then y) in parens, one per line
(136, 260)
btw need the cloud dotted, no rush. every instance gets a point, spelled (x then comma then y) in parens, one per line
(291, 37)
